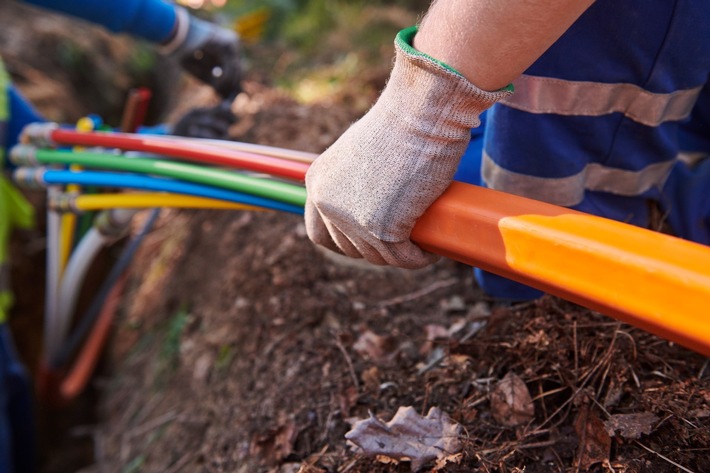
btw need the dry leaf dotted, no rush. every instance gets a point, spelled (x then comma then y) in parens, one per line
(347, 398)
(377, 348)
(433, 332)
(306, 468)
(408, 436)
(511, 403)
(276, 444)
(443, 461)
(594, 443)
(630, 426)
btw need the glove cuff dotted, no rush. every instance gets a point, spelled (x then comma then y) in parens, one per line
(404, 42)
(433, 83)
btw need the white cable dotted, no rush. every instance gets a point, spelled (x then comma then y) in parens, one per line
(51, 342)
(271, 151)
(71, 284)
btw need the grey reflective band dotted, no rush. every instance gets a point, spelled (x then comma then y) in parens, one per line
(4, 277)
(691, 158)
(546, 95)
(569, 191)
(182, 26)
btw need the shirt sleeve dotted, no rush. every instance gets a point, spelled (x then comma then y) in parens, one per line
(152, 20)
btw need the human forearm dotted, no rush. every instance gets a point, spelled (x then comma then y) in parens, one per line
(491, 42)
(152, 20)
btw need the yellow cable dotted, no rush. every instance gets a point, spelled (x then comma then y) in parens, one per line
(66, 238)
(154, 199)
(68, 221)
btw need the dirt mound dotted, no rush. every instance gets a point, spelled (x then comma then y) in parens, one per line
(244, 348)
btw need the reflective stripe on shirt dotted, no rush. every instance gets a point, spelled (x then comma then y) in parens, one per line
(568, 191)
(563, 97)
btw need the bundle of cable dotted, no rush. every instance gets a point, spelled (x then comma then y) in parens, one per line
(118, 174)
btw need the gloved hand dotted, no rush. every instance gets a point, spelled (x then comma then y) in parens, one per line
(366, 192)
(209, 52)
(209, 122)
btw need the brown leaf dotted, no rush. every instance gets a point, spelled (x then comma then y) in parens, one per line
(371, 378)
(377, 348)
(306, 468)
(630, 426)
(511, 403)
(276, 444)
(594, 442)
(408, 436)
(433, 332)
(443, 461)
(347, 398)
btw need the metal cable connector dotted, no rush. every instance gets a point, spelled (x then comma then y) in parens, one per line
(64, 202)
(29, 178)
(39, 134)
(24, 155)
(114, 223)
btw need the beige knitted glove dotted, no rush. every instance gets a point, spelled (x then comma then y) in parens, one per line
(366, 191)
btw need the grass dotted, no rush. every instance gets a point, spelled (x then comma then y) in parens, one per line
(312, 49)
(169, 356)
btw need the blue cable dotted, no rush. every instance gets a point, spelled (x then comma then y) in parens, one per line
(135, 181)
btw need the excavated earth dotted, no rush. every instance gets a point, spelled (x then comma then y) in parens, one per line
(241, 347)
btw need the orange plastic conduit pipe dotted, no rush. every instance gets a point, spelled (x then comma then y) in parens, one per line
(75, 380)
(656, 282)
(60, 388)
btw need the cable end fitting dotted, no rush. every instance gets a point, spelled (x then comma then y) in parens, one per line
(24, 155)
(64, 202)
(39, 134)
(114, 223)
(29, 178)
(179, 33)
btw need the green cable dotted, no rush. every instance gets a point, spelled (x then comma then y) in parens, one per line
(86, 221)
(283, 192)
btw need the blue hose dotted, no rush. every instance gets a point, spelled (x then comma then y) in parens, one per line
(135, 181)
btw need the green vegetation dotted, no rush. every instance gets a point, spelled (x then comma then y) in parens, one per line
(169, 356)
(313, 48)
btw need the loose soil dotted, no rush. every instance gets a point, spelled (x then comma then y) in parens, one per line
(241, 347)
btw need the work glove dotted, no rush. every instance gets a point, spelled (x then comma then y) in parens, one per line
(207, 51)
(208, 122)
(366, 192)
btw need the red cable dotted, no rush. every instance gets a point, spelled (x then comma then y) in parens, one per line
(59, 388)
(75, 381)
(136, 109)
(182, 149)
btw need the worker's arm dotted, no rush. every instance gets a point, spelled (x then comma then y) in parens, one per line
(491, 42)
(152, 20)
(366, 192)
(207, 51)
